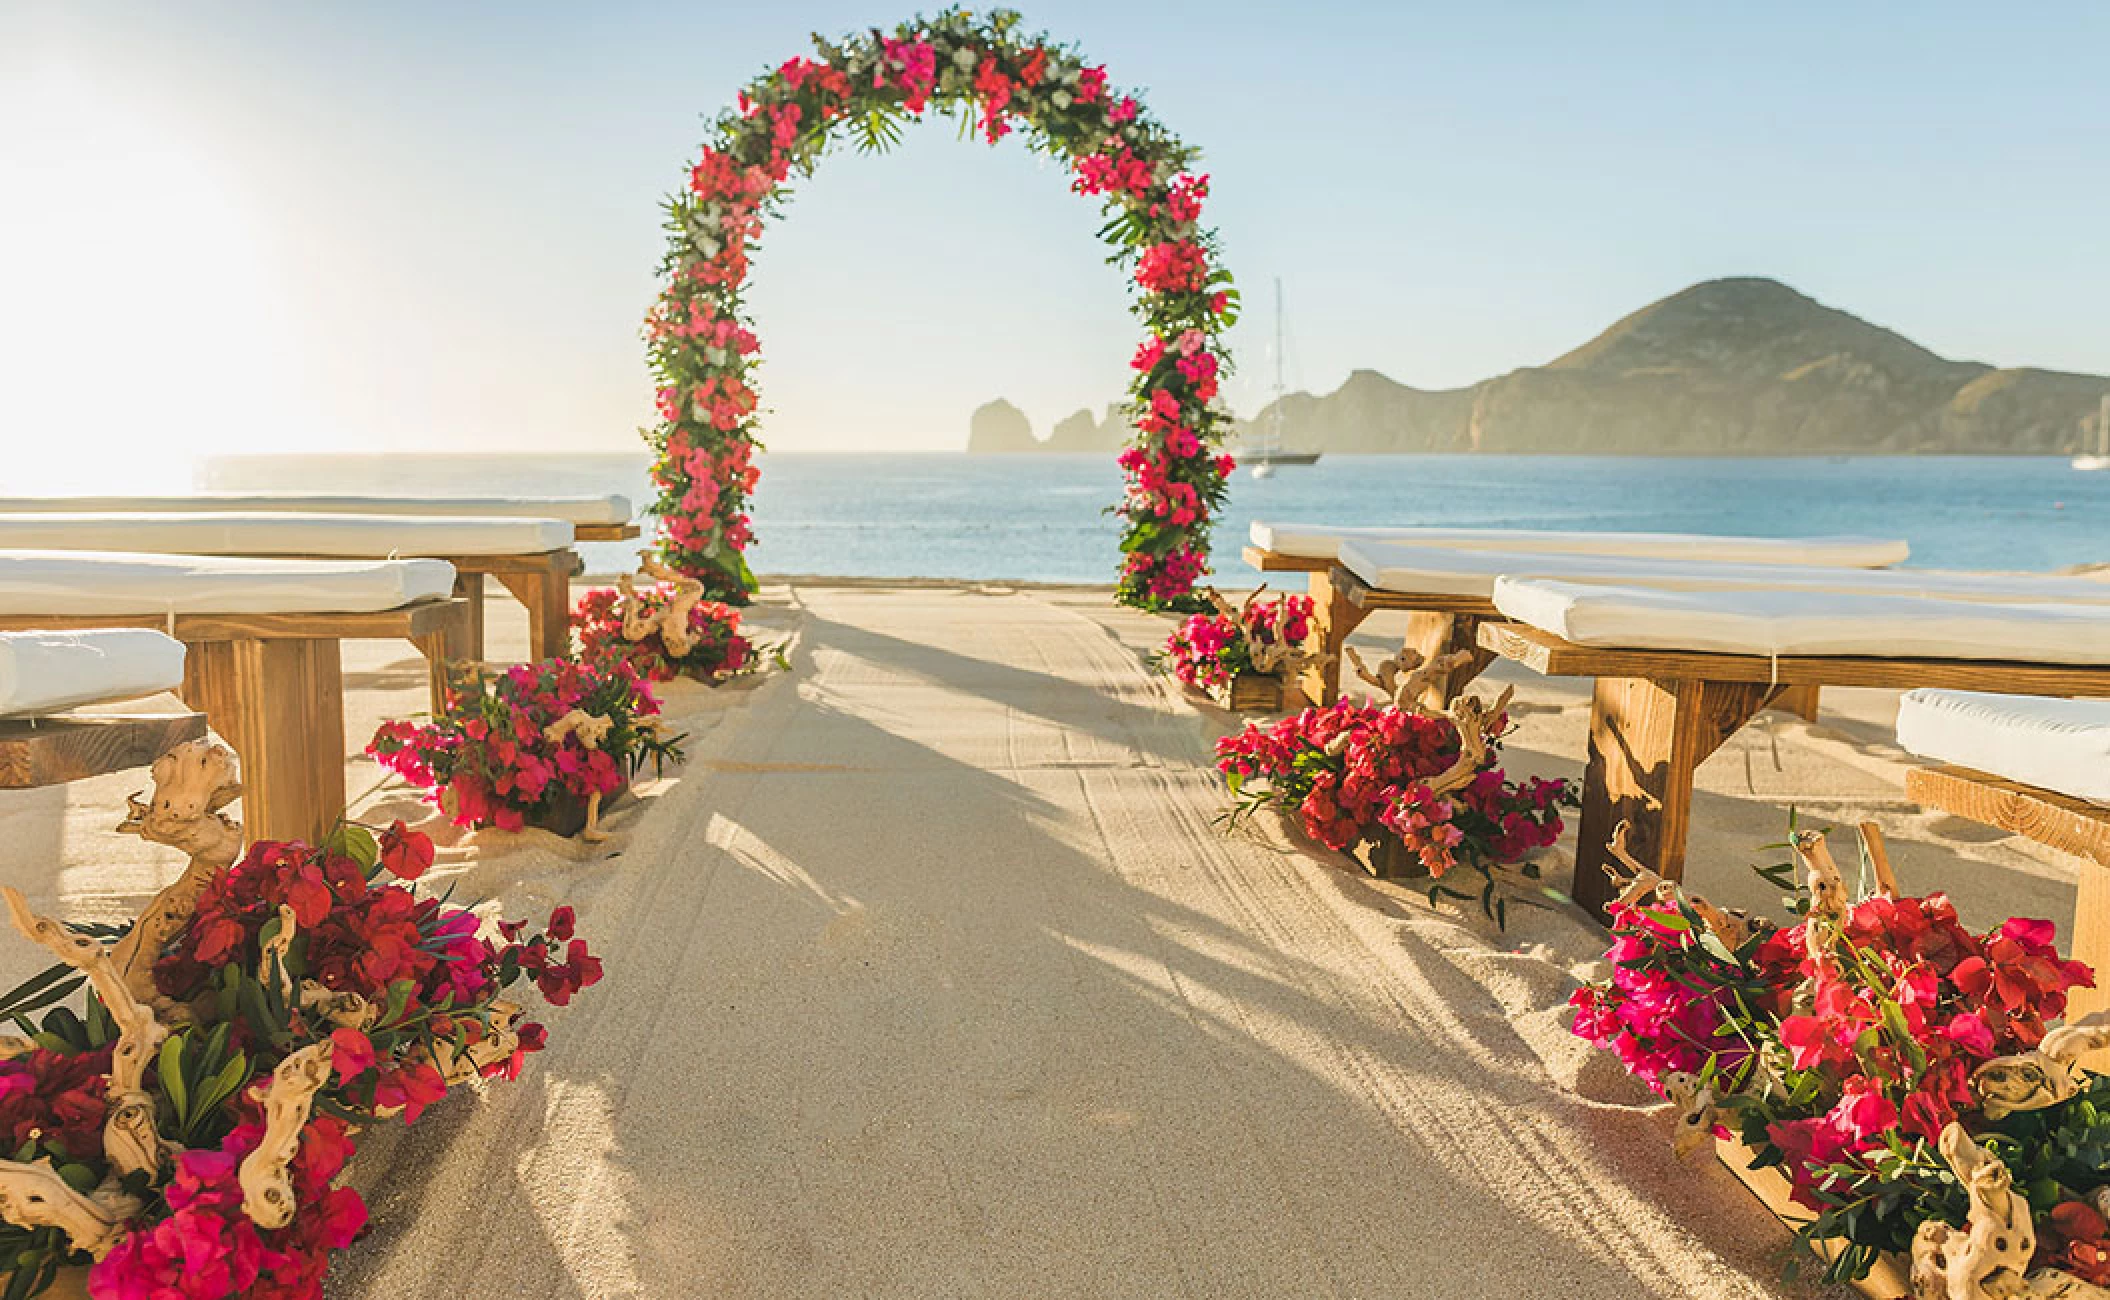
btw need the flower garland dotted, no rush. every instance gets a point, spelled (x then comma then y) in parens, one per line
(505, 752)
(993, 77)
(1841, 1047)
(1209, 651)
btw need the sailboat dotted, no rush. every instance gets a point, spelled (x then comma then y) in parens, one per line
(1264, 455)
(2101, 458)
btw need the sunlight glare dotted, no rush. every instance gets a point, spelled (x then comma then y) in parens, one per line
(142, 324)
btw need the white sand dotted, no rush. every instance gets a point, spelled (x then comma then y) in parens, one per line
(932, 977)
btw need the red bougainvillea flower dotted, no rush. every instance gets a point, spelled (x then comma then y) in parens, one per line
(405, 852)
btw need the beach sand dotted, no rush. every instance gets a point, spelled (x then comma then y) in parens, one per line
(931, 974)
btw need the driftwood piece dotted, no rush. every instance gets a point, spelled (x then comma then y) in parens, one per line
(1403, 680)
(1280, 657)
(346, 1010)
(1829, 899)
(2045, 1076)
(192, 782)
(590, 729)
(130, 1135)
(32, 1195)
(1696, 1115)
(267, 1184)
(1879, 858)
(670, 620)
(1987, 1258)
(498, 1043)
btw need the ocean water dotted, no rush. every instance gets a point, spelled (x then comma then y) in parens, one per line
(1042, 518)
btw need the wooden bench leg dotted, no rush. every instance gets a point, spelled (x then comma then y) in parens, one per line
(1798, 700)
(443, 648)
(547, 595)
(470, 587)
(280, 704)
(1434, 634)
(2091, 944)
(1334, 617)
(1646, 737)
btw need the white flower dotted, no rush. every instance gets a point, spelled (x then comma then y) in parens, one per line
(716, 356)
(964, 58)
(1060, 98)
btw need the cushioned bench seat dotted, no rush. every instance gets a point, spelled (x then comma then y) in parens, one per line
(2057, 745)
(96, 583)
(1387, 566)
(45, 672)
(591, 511)
(1772, 624)
(262, 661)
(330, 536)
(1318, 542)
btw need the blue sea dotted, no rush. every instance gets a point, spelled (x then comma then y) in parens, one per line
(1041, 517)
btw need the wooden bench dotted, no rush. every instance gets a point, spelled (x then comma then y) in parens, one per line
(541, 583)
(2054, 820)
(1437, 623)
(272, 686)
(1655, 715)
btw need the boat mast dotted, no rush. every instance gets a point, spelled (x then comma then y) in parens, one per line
(1275, 417)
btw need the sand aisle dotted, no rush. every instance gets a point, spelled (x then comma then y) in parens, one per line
(933, 978)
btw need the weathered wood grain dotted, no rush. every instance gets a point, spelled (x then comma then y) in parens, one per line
(75, 746)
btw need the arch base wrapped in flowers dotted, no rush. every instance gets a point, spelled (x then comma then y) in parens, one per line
(1889, 1082)
(990, 74)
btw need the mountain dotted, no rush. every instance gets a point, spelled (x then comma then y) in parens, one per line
(1743, 366)
(1001, 428)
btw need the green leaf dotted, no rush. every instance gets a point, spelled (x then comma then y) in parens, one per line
(170, 1065)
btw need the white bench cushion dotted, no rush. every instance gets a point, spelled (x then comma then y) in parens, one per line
(362, 537)
(1386, 566)
(126, 583)
(2061, 745)
(44, 672)
(1807, 623)
(571, 509)
(1311, 541)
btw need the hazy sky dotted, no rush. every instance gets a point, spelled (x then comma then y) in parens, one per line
(247, 224)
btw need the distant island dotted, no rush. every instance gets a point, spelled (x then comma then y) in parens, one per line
(1743, 366)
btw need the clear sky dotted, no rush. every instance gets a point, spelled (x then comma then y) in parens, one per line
(239, 225)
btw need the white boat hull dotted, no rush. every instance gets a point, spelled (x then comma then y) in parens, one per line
(2091, 462)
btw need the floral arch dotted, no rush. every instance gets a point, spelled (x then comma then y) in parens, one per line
(986, 73)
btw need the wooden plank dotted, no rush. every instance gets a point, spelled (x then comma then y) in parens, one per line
(564, 560)
(75, 746)
(1549, 654)
(1646, 738)
(378, 625)
(280, 704)
(604, 532)
(2060, 821)
(1276, 562)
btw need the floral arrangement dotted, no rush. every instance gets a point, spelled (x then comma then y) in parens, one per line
(1208, 651)
(183, 1130)
(1876, 1053)
(662, 630)
(534, 744)
(1352, 773)
(990, 74)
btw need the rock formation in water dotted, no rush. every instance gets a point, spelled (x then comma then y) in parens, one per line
(1728, 367)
